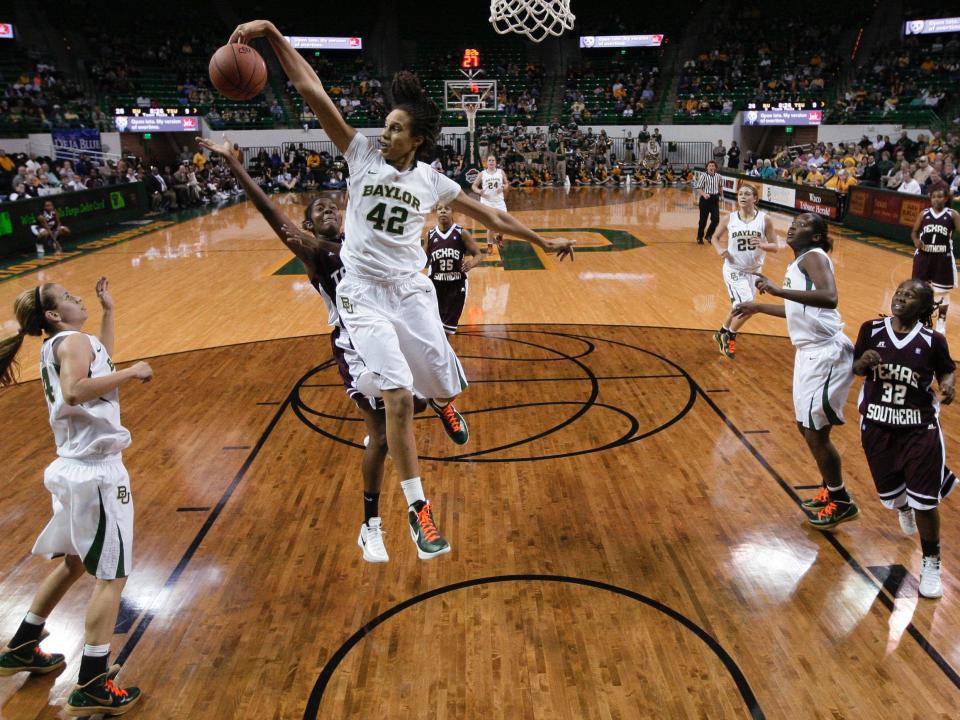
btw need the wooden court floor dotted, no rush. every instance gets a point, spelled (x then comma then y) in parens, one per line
(627, 541)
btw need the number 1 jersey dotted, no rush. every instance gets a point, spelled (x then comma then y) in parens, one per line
(385, 212)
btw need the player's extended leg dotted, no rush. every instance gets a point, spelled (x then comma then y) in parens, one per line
(370, 539)
(23, 653)
(96, 692)
(928, 523)
(838, 507)
(942, 299)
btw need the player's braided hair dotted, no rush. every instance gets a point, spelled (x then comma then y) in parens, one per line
(820, 228)
(424, 114)
(28, 308)
(929, 306)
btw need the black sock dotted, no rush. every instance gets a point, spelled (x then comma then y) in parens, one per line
(371, 506)
(27, 632)
(840, 495)
(731, 334)
(91, 667)
(930, 548)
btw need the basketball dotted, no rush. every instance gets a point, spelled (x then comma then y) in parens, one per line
(238, 71)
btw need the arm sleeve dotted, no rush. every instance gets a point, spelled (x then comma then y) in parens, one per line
(447, 190)
(360, 154)
(942, 362)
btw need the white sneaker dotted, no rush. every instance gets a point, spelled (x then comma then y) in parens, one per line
(930, 585)
(908, 521)
(371, 542)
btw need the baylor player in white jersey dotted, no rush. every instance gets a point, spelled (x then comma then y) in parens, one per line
(823, 366)
(386, 304)
(750, 236)
(492, 186)
(92, 524)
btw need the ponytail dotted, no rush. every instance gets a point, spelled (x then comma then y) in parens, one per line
(29, 310)
(409, 96)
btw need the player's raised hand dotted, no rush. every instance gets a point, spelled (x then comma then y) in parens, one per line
(247, 31)
(226, 149)
(103, 294)
(561, 246)
(297, 236)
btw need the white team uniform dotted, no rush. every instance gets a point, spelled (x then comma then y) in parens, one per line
(491, 189)
(92, 501)
(743, 240)
(823, 366)
(388, 306)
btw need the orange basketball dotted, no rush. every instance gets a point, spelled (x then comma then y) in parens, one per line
(238, 72)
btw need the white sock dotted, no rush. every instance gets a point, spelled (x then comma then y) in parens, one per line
(34, 619)
(96, 650)
(412, 490)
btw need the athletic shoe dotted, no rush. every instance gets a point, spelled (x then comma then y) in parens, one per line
(499, 238)
(423, 530)
(930, 585)
(101, 696)
(820, 500)
(453, 422)
(908, 521)
(28, 657)
(718, 337)
(371, 541)
(730, 347)
(834, 513)
(699, 241)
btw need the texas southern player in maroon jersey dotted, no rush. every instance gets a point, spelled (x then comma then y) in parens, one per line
(900, 427)
(933, 237)
(448, 246)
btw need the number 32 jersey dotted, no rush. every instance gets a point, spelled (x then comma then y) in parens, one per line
(386, 209)
(898, 392)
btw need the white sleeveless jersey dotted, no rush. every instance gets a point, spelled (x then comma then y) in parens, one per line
(91, 429)
(743, 240)
(809, 326)
(491, 186)
(385, 212)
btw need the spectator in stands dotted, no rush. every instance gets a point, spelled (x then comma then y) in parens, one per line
(768, 172)
(161, 194)
(733, 156)
(923, 171)
(95, 180)
(719, 153)
(21, 192)
(814, 177)
(285, 179)
(910, 186)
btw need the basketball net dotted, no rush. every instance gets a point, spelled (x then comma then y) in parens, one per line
(470, 109)
(534, 18)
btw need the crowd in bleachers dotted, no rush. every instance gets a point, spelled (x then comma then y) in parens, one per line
(35, 97)
(610, 91)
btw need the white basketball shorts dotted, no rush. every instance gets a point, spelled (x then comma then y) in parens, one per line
(740, 285)
(396, 328)
(498, 204)
(822, 376)
(92, 515)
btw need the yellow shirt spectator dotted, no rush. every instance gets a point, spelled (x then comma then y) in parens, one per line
(199, 160)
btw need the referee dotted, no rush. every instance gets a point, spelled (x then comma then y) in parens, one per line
(707, 188)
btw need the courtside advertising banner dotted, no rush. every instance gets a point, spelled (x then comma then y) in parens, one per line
(778, 195)
(817, 200)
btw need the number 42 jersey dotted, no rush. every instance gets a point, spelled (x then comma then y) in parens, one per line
(385, 212)
(898, 392)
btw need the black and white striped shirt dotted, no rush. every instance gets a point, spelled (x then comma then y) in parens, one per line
(710, 184)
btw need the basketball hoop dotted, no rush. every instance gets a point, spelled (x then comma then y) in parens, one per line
(534, 18)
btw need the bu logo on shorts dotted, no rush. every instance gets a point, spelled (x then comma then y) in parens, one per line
(347, 305)
(122, 494)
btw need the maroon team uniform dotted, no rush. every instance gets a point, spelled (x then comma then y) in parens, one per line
(934, 262)
(900, 425)
(445, 252)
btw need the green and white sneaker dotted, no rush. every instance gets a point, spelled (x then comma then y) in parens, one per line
(453, 423)
(101, 696)
(834, 513)
(423, 530)
(28, 657)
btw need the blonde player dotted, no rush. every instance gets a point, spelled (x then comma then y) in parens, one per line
(750, 236)
(823, 366)
(492, 186)
(388, 306)
(92, 524)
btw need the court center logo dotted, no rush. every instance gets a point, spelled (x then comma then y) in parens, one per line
(537, 394)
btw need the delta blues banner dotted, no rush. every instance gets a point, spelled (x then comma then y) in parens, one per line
(69, 141)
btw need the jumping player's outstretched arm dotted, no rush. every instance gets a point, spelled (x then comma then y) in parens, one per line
(818, 270)
(508, 225)
(301, 246)
(303, 78)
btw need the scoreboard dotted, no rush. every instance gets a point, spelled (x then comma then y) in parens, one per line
(144, 120)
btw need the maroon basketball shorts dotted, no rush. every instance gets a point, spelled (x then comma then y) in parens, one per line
(908, 464)
(938, 269)
(451, 297)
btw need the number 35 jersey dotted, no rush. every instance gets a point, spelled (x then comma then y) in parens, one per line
(385, 212)
(743, 242)
(898, 392)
